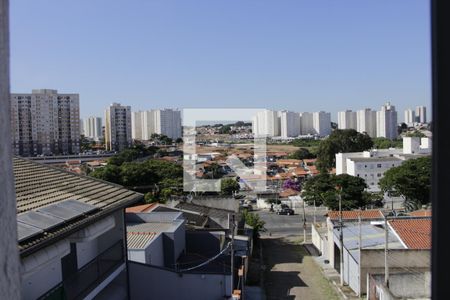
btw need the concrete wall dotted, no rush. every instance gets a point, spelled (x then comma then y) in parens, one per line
(351, 271)
(320, 242)
(9, 258)
(42, 270)
(147, 282)
(399, 260)
(404, 285)
(152, 255)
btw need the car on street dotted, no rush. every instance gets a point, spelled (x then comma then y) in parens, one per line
(283, 209)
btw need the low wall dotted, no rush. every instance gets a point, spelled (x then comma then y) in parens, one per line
(149, 282)
(399, 260)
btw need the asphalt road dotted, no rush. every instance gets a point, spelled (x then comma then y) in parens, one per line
(289, 226)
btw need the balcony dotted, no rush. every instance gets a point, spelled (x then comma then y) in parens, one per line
(82, 282)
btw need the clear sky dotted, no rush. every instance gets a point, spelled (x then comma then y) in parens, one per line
(278, 54)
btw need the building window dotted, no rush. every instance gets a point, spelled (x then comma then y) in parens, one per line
(378, 165)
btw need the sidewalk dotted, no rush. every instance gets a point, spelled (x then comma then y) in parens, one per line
(333, 276)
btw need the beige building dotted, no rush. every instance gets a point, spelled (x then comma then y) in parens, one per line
(117, 127)
(45, 122)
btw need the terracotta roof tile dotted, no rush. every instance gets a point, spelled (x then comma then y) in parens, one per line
(421, 213)
(140, 208)
(288, 193)
(415, 233)
(354, 214)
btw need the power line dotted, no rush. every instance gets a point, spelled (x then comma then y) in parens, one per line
(208, 261)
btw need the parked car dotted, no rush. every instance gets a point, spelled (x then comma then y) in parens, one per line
(283, 209)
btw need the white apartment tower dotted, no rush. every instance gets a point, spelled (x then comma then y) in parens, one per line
(117, 127)
(93, 128)
(160, 121)
(387, 122)
(45, 122)
(266, 123)
(136, 125)
(322, 123)
(366, 121)
(168, 122)
(421, 114)
(306, 123)
(290, 124)
(410, 117)
(347, 119)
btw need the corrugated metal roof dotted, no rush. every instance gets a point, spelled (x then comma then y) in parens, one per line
(154, 227)
(40, 185)
(139, 240)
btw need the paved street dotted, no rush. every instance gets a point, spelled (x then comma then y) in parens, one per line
(283, 225)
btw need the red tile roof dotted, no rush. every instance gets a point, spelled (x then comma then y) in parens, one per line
(288, 193)
(354, 214)
(421, 213)
(415, 233)
(300, 172)
(140, 208)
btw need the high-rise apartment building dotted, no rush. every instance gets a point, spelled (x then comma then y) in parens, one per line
(366, 121)
(117, 127)
(347, 120)
(290, 124)
(93, 128)
(306, 123)
(168, 122)
(322, 123)
(266, 123)
(421, 114)
(136, 125)
(410, 117)
(160, 121)
(387, 122)
(45, 122)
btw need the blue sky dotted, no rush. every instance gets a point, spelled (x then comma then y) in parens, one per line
(278, 54)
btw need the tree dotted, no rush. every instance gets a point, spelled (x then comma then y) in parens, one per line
(291, 184)
(109, 173)
(302, 153)
(322, 190)
(415, 133)
(318, 189)
(228, 186)
(384, 143)
(346, 140)
(254, 221)
(179, 141)
(412, 180)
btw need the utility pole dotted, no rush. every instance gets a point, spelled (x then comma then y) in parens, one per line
(232, 253)
(341, 235)
(304, 223)
(386, 252)
(360, 232)
(314, 211)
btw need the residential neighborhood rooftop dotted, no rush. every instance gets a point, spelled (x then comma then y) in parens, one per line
(415, 233)
(41, 190)
(354, 214)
